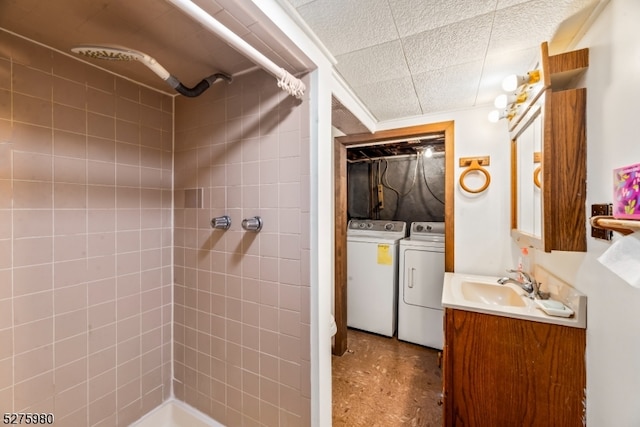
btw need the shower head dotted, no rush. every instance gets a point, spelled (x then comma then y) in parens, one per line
(110, 53)
(119, 53)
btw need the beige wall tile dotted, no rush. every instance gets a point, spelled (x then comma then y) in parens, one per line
(70, 349)
(100, 126)
(33, 391)
(31, 166)
(71, 375)
(103, 408)
(69, 144)
(32, 251)
(33, 278)
(70, 324)
(6, 376)
(6, 314)
(69, 93)
(5, 253)
(99, 101)
(69, 119)
(28, 109)
(69, 221)
(6, 284)
(27, 337)
(33, 363)
(32, 195)
(70, 170)
(102, 361)
(6, 343)
(32, 307)
(69, 196)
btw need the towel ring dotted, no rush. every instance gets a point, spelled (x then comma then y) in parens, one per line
(475, 167)
(536, 176)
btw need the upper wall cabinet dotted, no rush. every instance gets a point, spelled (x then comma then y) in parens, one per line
(548, 154)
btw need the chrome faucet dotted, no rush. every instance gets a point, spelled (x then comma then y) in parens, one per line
(529, 285)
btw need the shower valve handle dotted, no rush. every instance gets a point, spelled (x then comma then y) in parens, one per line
(252, 224)
(221, 222)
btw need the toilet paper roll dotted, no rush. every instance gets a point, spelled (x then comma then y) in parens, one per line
(623, 258)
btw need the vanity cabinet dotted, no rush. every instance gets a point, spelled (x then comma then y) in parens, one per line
(548, 157)
(501, 371)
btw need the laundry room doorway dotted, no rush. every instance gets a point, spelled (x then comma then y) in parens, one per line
(382, 139)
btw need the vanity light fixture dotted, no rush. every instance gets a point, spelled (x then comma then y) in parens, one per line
(513, 82)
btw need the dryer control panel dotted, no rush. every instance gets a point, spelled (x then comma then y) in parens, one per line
(426, 230)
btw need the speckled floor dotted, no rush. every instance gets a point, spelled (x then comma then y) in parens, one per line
(385, 382)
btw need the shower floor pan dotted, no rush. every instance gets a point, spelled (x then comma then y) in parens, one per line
(174, 413)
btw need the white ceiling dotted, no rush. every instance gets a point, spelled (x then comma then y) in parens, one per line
(402, 58)
(405, 58)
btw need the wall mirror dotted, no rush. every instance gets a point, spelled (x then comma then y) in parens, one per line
(526, 176)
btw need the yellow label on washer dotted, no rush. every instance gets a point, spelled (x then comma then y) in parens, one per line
(384, 256)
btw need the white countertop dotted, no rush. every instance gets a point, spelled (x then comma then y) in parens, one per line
(452, 297)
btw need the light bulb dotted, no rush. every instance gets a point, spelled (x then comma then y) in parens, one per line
(494, 116)
(510, 83)
(513, 82)
(504, 100)
(428, 152)
(501, 101)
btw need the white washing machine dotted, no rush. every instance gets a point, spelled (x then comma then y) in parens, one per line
(420, 313)
(372, 274)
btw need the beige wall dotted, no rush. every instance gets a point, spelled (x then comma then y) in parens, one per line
(85, 240)
(242, 299)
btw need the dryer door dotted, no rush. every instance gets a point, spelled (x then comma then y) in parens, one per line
(423, 278)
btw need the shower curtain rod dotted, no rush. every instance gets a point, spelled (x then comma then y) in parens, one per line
(290, 84)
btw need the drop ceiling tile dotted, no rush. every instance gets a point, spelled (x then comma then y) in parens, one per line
(298, 3)
(373, 64)
(351, 25)
(497, 67)
(503, 4)
(528, 24)
(457, 43)
(416, 16)
(448, 88)
(390, 99)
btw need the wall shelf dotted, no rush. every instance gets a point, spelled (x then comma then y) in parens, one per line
(623, 226)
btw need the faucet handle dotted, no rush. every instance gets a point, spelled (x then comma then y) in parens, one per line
(524, 274)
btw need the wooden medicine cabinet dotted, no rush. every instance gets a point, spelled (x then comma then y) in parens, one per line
(548, 156)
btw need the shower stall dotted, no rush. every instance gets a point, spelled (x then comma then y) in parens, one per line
(116, 294)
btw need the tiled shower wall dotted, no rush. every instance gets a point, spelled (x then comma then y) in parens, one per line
(85, 240)
(242, 298)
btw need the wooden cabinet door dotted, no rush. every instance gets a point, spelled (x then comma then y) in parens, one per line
(508, 372)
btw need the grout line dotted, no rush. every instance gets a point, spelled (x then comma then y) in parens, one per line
(172, 269)
(86, 221)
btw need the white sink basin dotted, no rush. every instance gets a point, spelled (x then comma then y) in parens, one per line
(483, 294)
(491, 294)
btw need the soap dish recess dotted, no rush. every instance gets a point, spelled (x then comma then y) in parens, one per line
(554, 308)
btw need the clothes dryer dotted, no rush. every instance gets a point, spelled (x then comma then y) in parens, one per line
(421, 275)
